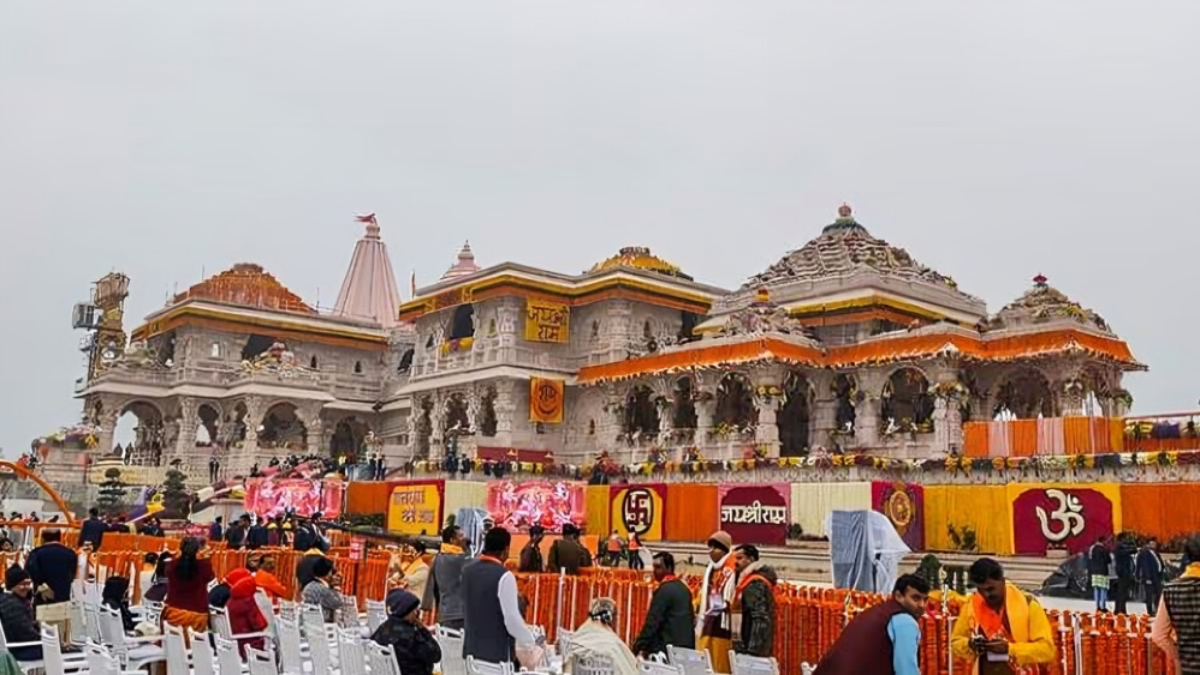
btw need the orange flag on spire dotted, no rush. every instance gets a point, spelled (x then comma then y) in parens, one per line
(366, 218)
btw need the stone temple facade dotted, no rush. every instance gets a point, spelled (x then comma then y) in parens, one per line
(845, 343)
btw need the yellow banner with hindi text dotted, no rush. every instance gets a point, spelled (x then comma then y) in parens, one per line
(547, 322)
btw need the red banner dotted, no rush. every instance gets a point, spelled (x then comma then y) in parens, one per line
(904, 506)
(273, 496)
(755, 514)
(1073, 518)
(551, 504)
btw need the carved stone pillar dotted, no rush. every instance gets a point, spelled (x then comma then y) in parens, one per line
(314, 431)
(185, 444)
(108, 428)
(866, 423)
(954, 426)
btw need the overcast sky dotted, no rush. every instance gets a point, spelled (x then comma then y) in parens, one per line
(993, 140)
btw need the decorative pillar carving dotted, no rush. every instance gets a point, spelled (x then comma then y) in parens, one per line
(867, 422)
(314, 430)
(184, 448)
(767, 395)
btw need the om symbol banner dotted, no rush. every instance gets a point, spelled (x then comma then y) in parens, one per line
(755, 514)
(639, 509)
(1062, 516)
(416, 508)
(904, 506)
(545, 400)
(547, 322)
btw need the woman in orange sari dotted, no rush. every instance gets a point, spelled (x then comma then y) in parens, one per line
(188, 576)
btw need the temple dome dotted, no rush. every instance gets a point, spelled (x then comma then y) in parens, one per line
(1045, 304)
(248, 285)
(464, 265)
(639, 258)
(845, 248)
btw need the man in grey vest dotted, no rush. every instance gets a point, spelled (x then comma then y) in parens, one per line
(444, 588)
(494, 627)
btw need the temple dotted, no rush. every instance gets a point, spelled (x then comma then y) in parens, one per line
(845, 344)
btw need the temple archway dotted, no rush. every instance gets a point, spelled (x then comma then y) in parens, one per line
(794, 415)
(140, 431)
(462, 324)
(458, 417)
(208, 420)
(1024, 394)
(281, 429)
(735, 409)
(684, 417)
(347, 440)
(845, 393)
(906, 404)
(641, 413)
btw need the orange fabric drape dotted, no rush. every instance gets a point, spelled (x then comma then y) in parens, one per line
(691, 511)
(1023, 438)
(1163, 510)
(368, 497)
(975, 439)
(1087, 435)
(596, 501)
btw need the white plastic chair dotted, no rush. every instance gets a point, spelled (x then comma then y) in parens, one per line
(693, 661)
(451, 642)
(101, 661)
(229, 662)
(350, 651)
(592, 666)
(203, 658)
(484, 668)
(134, 653)
(78, 621)
(176, 650)
(291, 660)
(26, 666)
(52, 657)
(260, 662)
(659, 668)
(564, 641)
(381, 659)
(376, 615)
(220, 620)
(743, 664)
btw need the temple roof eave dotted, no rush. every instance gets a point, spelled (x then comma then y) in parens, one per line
(907, 346)
(156, 322)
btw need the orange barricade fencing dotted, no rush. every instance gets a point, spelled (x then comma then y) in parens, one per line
(808, 619)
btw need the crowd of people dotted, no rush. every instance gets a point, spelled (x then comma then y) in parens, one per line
(999, 630)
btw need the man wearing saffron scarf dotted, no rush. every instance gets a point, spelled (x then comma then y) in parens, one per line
(1176, 628)
(713, 604)
(885, 639)
(1001, 630)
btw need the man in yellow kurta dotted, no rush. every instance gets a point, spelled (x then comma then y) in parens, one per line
(713, 602)
(1001, 630)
